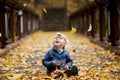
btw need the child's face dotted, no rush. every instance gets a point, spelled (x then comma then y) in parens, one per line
(59, 41)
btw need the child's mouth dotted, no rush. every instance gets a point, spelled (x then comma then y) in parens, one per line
(57, 41)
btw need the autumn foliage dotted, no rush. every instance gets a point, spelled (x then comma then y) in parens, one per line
(24, 62)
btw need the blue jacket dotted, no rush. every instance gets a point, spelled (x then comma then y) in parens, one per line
(53, 54)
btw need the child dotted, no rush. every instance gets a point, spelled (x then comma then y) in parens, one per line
(58, 57)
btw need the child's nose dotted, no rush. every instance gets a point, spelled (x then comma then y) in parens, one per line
(57, 38)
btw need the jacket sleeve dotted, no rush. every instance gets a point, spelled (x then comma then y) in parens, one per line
(46, 61)
(69, 60)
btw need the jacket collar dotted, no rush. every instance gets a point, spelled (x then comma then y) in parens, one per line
(63, 49)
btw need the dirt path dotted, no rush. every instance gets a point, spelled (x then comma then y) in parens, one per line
(24, 62)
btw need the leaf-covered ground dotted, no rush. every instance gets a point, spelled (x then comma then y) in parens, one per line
(24, 62)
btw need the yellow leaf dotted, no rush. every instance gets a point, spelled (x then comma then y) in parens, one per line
(44, 9)
(81, 54)
(32, 1)
(9, 60)
(6, 74)
(16, 76)
(90, 58)
(72, 51)
(118, 77)
(73, 30)
(90, 28)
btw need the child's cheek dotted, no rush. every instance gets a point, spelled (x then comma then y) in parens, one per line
(63, 42)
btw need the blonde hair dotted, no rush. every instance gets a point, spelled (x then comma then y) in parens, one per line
(58, 34)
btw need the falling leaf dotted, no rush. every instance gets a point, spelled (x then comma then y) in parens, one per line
(73, 30)
(0, 34)
(90, 28)
(32, 1)
(44, 9)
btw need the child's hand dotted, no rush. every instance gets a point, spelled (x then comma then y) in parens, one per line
(55, 62)
(66, 68)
